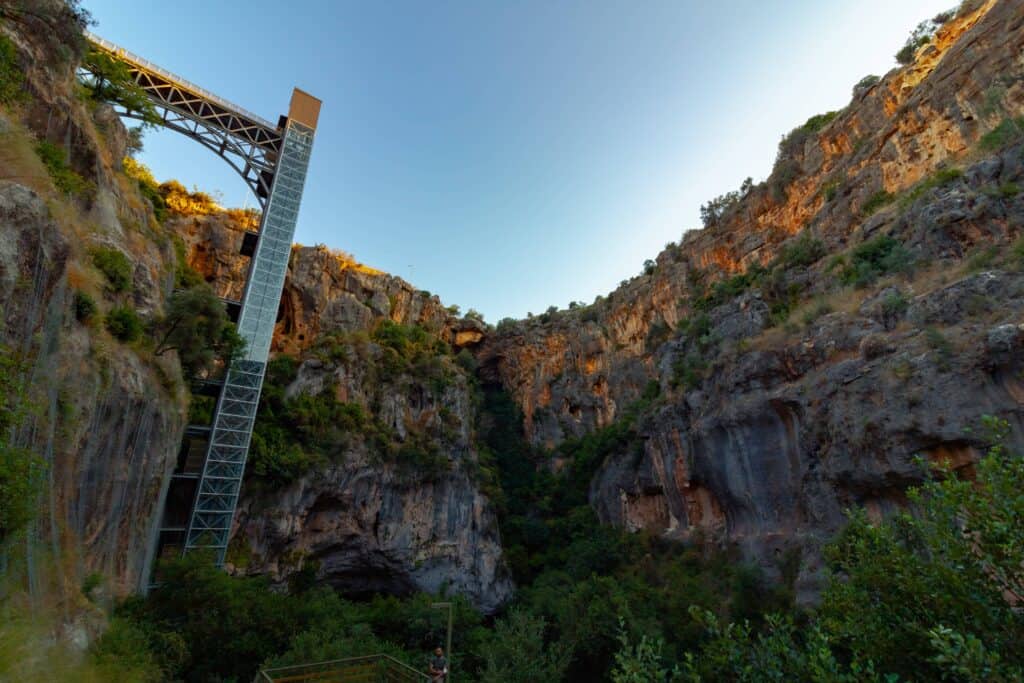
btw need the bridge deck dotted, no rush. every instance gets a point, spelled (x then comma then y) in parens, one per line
(141, 63)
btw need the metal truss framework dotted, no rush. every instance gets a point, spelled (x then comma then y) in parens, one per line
(273, 161)
(248, 143)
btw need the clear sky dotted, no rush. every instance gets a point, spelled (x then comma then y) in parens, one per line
(513, 155)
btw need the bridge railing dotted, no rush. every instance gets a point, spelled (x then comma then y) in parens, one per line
(368, 669)
(176, 79)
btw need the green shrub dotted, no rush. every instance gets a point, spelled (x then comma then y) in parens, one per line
(982, 258)
(937, 179)
(688, 371)
(870, 260)
(830, 189)
(124, 324)
(85, 307)
(64, 179)
(716, 209)
(876, 202)
(938, 343)
(1004, 191)
(185, 276)
(802, 252)
(783, 175)
(820, 309)
(115, 266)
(12, 79)
(920, 36)
(1006, 133)
(868, 81)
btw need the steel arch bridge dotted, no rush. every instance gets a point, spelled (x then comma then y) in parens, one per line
(199, 502)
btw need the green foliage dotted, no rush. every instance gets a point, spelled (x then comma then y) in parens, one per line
(641, 662)
(149, 188)
(821, 308)
(938, 343)
(84, 307)
(196, 325)
(12, 79)
(920, 36)
(21, 471)
(803, 252)
(1004, 191)
(688, 371)
(939, 178)
(868, 81)
(111, 81)
(115, 266)
(830, 189)
(926, 595)
(1006, 133)
(786, 171)
(185, 276)
(872, 259)
(716, 209)
(124, 324)
(517, 652)
(64, 178)
(875, 202)
(203, 625)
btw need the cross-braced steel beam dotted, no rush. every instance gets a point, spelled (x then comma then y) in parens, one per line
(248, 143)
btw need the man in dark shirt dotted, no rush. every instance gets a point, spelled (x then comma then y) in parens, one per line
(438, 666)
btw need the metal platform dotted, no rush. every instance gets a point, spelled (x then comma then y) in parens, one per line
(370, 669)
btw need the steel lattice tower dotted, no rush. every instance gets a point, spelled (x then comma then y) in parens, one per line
(199, 502)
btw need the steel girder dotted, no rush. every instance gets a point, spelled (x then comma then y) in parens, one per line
(248, 143)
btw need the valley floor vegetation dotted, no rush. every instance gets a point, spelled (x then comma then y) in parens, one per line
(926, 595)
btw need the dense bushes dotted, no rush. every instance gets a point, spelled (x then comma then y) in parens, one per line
(870, 260)
(124, 324)
(11, 76)
(115, 266)
(65, 179)
(922, 597)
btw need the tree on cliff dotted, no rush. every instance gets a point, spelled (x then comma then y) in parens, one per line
(111, 81)
(196, 325)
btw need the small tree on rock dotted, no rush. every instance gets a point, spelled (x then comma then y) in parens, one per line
(196, 325)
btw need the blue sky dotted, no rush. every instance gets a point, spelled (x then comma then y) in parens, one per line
(513, 155)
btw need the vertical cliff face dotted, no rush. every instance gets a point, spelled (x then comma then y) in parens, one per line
(108, 415)
(396, 506)
(393, 502)
(798, 368)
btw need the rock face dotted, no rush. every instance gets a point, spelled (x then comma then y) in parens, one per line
(362, 523)
(377, 516)
(326, 291)
(108, 416)
(787, 395)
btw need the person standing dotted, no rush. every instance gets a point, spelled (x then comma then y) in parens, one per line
(438, 668)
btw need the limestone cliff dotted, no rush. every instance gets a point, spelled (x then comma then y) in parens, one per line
(790, 387)
(395, 503)
(108, 415)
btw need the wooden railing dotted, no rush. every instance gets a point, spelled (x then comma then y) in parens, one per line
(369, 669)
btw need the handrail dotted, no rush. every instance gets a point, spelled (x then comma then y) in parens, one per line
(312, 668)
(178, 80)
